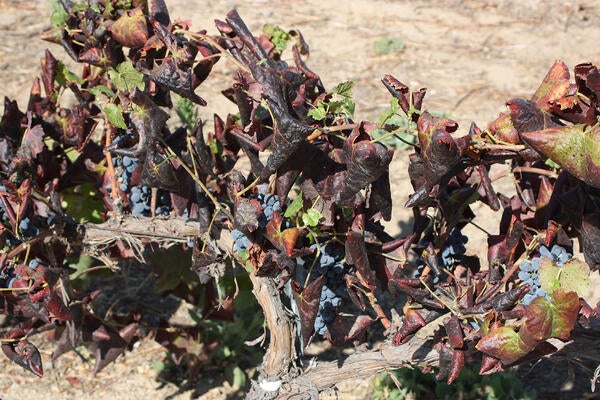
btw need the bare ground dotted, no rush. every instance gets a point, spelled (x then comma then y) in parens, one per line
(471, 55)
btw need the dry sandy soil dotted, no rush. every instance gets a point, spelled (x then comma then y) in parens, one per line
(471, 55)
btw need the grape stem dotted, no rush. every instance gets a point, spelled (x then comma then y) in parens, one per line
(196, 179)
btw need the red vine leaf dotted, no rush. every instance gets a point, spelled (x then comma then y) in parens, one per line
(361, 323)
(282, 240)
(490, 365)
(131, 29)
(554, 86)
(106, 350)
(446, 355)
(180, 81)
(527, 116)
(575, 148)
(551, 318)
(365, 161)
(505, 344)
(412, 322)
(356, 254)
(25, 354)
(587, 78)
(308, 305)
(32, 144)
(246, 214)
(458, 361)
(454, 332)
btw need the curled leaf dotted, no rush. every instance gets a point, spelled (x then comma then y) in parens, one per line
(25, 354)
(366, 161)
(308, 305)
(454, 332)
(412, 322)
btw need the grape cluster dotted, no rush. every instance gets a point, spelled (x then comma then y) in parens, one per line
(9, 278)
(269, 203)
(451, 253)
(139, 201)
(330, 265)
(454, 249)
(139, 196)
(529, 271)
(3, 216)
(27, 229)
(558, 255)
(240, 241)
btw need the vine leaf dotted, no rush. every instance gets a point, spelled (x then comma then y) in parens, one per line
(108, 344)
(527, 116)
(311, 217)
(551, 318)
(554, 86)
(33, 143)
(25, 354)
(308, 301)
(288, 131)
(246, 214)
(125, 77)
(158, 171)
(361, 323)
(114, 114)
(283, 240)
(208, 264)
(413, 321)
(131, 29)
(505, 344)
(169, 75)
(439, 155)
(438, 148)
(573, 276)
(454, 332)
(576, 148)
(590, 243)
(365, 161)
(356, 254)
(551, 91)
(490, 365)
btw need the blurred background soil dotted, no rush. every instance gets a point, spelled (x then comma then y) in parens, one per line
(471, 55)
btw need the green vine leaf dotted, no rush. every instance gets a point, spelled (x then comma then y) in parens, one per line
(319, 112)
(102, 89)
(125, 77)
(344, 89)
(294, 206)
(114, 114)
(573, 276)
(277, 36)
(64, 76)
(311, 217)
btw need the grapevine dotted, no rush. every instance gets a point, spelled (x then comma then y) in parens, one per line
(288, 196)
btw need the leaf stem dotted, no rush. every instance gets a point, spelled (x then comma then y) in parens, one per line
(394, 133)
(533, 170)
(208, 194)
